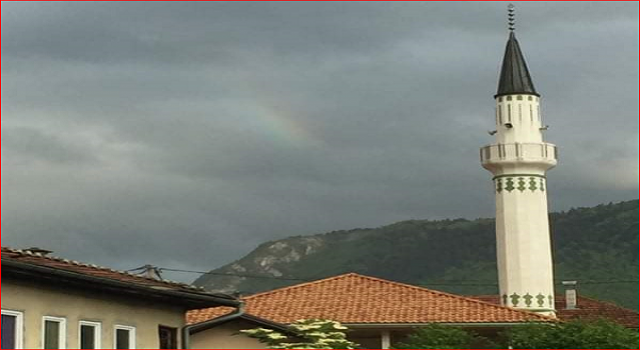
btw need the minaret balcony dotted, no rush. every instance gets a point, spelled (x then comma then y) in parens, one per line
(544, 155)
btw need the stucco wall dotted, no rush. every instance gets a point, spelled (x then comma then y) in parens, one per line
(226, 337)
(36, 301)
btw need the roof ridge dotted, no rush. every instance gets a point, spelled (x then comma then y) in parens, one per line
(24, 252)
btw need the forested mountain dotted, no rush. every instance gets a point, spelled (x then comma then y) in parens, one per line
(596, 246)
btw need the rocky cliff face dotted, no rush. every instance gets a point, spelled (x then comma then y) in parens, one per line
(272, 259)
(458, 256)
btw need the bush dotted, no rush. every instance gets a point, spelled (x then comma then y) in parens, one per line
(600, 334)
(441, 337)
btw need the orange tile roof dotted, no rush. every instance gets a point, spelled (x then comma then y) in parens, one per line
(357, 299)
(588, 309)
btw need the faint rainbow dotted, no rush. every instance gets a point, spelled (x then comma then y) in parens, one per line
(284, 124)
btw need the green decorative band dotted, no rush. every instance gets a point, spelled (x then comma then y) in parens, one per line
(528, 300)
(521, 183)
(538, 310)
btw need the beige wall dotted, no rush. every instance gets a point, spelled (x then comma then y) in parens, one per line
(226, 337)
(36, 301)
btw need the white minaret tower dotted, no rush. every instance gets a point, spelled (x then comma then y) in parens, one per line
(519, 160)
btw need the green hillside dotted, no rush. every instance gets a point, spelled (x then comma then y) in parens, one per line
(596, 246)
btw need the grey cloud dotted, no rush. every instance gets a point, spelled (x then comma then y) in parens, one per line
(185, 134)
(28, 143)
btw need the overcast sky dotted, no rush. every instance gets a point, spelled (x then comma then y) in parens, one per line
(185, 134)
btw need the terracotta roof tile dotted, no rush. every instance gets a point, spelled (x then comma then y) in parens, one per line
(357, 299)
(588, 309)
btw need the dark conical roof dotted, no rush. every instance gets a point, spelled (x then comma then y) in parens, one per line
(515, 77)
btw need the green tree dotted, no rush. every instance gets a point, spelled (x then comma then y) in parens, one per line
(600, 334)
(309, 334)
(444, 337)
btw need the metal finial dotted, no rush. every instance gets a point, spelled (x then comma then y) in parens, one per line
(511, 12)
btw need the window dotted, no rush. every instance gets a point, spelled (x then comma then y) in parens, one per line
(520, 113)
(90, 334)
(531, 113)
(168, 337)
(11, 329)
(125, 337)
(54, 333)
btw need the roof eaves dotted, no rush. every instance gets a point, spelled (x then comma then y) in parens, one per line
(452, 324)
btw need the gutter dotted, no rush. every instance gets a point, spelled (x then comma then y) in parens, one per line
(187, 331)
(415, 325)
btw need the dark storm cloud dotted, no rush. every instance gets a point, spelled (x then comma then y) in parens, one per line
(184, 134)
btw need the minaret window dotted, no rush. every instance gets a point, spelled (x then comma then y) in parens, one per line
(531, 112)
(509, 113)
(509, 98)
(520, 112)
(519, 97)
(530, 98)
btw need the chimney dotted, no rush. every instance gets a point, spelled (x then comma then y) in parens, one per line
(150, 271)
(571, 294)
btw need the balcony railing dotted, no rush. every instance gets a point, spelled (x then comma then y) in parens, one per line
(525, 151)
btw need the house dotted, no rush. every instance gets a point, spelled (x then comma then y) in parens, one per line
(378, 312)
(54, 303)
(586, 309)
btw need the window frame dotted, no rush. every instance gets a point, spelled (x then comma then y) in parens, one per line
(98, 333)
(62, 335)
(132, 335)
(19, 327)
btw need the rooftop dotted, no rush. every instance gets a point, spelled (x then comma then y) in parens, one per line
(356, 299)
(514, 76)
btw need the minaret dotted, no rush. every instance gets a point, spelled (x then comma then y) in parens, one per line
(519, 160)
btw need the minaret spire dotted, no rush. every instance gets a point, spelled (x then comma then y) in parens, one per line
(514, 75)
(511, 10)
